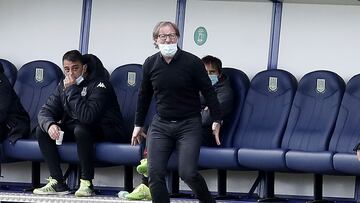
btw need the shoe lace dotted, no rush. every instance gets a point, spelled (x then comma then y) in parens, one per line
(50, 184)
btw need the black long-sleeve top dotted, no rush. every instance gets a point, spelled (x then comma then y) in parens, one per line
(176, 88)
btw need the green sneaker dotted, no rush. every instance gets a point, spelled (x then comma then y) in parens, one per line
(85, 189)
(141, 192)
(53, 187)
(142, 168)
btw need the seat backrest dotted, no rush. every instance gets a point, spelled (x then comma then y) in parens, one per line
(35, 82)
(314, 112)
(239, 82)
(126, 81)
(10, 70)
(266, 110)
(347, 129)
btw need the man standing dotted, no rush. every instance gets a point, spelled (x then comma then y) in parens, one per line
(85, 108)
(175, 78)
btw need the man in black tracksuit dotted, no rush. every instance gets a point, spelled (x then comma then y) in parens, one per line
(14, 120)
(85, 107)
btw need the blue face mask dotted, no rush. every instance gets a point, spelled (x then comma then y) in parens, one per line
(81, 77)
(214, 79)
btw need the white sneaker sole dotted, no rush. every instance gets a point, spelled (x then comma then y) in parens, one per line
(50, 193)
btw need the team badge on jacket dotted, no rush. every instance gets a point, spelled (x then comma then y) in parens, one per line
(84, 92)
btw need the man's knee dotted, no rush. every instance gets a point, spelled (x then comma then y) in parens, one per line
(39, 133)
(187, 175)
(82, 132)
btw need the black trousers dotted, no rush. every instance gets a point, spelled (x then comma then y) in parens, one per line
(3, 131)
(186, 137)
(84, 136)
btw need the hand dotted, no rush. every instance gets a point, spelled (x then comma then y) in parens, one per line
(358, 154)
(69, 80)
(54, 131)
(136, 135)
(216, 131)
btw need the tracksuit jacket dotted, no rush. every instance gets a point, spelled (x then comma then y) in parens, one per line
(93, 102)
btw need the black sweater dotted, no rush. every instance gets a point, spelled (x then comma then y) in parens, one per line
(176, 88)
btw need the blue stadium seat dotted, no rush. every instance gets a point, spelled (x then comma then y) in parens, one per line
(346, 133)
(9, 70)
(264, 117)
(35, 82)
(311, 124)
(224, 157)
(263, 120)
(126, 81)
(309, 127)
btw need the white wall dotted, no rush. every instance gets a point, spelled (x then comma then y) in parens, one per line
(317, 37)
(121, 31)
(238, 32)
(301, 184)
(38, 29)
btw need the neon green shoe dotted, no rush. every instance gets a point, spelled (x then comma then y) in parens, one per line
(142, 168)
(53, 187)
(141, 192)
(85, 189)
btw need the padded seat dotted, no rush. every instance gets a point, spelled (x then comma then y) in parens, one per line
(316, 162)
(126, 81)
(263, 122)
(311, 122)
(35, 82)
(262, 159)
(219, 158)
(346, 163)
(346, 134)
(225, 155)
(264, 119)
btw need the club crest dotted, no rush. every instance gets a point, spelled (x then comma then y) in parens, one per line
(273, 84)
(131, 80)
(39, 74)
(320, 85)
(84, 92)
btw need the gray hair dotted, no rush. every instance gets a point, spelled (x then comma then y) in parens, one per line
(162, 24)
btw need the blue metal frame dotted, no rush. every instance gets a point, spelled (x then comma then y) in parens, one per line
(180, 19)
(85, 26)
(275, 35)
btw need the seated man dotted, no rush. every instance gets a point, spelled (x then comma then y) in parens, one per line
(225, 95)
(14, 120)
(84, 106)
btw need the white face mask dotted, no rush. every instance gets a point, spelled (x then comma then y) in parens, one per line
(81, 77)
(168, 50)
